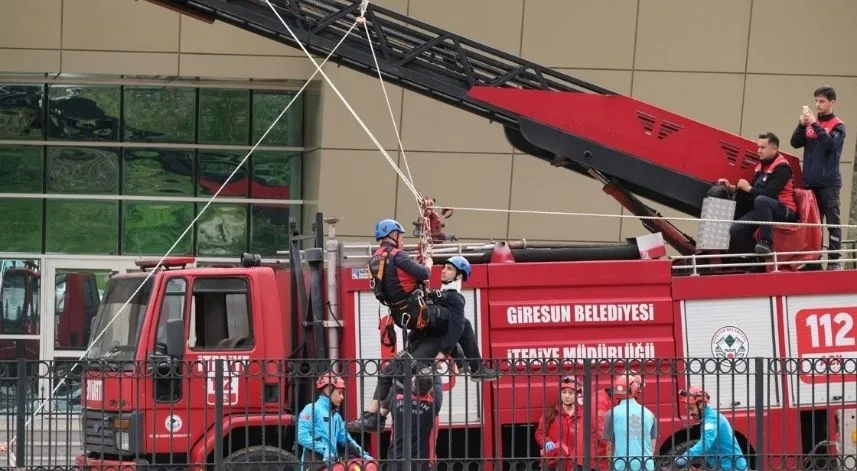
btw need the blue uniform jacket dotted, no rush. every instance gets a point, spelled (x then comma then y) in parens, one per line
(718, 444)
(322, 430)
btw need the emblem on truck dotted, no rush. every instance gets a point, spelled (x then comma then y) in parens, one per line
(730, 342)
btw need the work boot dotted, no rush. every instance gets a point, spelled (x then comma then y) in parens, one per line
(368, 422)
(484, 373)
(763, 247)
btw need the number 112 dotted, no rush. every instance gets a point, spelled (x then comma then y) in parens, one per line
(844, 323)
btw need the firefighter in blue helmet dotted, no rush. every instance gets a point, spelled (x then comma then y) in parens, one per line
(718, 447)
(321, 428)
(442, 322)
(456, 327)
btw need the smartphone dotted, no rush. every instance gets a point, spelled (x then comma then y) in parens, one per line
(806, 109)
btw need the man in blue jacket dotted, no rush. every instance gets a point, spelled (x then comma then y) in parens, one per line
(822, 138)
(321, 429)
(718, 446)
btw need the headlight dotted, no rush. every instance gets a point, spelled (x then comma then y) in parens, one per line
(123, 441)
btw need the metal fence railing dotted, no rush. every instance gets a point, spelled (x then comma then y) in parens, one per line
(224, 411)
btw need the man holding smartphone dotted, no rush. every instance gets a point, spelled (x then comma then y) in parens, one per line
(822, 138)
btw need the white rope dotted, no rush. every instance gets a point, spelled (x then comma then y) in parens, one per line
(344, 101)
(362, 19)
(190, 226)
(655, 218)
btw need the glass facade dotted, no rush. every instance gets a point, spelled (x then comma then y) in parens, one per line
(94, 176)
(123, 170)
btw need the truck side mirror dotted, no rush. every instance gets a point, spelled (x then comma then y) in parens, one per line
(175, 338)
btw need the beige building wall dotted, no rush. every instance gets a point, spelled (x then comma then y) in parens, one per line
(741, 65)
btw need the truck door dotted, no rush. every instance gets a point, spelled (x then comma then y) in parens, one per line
(219, 328)
(217, 319)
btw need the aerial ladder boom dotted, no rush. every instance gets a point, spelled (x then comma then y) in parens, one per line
(635, 148)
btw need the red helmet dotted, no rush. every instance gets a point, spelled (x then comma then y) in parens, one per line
(696, 393)
(569, 382)
(329, 379)
(626, 386)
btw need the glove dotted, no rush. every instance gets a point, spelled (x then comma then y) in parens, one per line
(681, 461)
(550, 446)
(328, 459)
(367, 457)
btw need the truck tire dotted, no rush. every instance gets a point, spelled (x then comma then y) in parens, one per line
(250, 458)
(666, 461)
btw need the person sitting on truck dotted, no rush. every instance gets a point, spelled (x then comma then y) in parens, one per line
(426, 402)
(630, 429)
(321, 428)
(560, 431)
(718, 444)
(771, 197)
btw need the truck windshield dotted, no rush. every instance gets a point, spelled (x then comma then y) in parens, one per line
(119, 340)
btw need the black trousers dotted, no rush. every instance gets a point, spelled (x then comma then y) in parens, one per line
(765, 208)
(422, 346)
(827, 199)
(469, 347)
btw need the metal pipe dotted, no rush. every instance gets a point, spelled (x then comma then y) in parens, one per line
(332, 315)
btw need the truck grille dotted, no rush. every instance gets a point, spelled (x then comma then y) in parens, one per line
(98, 434)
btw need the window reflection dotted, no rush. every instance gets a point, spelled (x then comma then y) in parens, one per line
(21, 169)
(157, 172)
(273, 174)
(160, 114)
(20, 225)
(82, 227)
(152, 228)
(20, 282)
(215, 168)
(222, 230)
(270, 231)
(84, 112)
(21, 111)
(77, 297)
(83, 170)
(224, 116)
(289, 129)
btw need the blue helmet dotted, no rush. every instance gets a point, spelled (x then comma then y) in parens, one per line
(387, 226)
(462, 265)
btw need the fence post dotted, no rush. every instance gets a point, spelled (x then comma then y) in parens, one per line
(21, 425)
(760, 412)
(587, 413)
(406, 412)
(218, 414)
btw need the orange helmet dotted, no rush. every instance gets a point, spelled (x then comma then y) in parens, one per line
(329, 379)
(696, 393)
(626, 386)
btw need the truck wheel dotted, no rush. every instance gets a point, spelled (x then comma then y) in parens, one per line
(248, 459)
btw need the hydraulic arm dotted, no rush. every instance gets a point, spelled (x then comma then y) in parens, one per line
(568, 122)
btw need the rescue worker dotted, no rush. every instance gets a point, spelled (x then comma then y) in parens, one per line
(395, 277)
(455, 327)
(630, 428)
(426, 402)
(321, 429)
(822, 138)
(718, 444)
(434, 340)
(560, 433)
(770, 195)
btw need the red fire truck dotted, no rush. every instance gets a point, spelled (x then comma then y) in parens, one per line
(551, 302)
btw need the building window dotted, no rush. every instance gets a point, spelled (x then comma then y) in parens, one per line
(110, 169)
